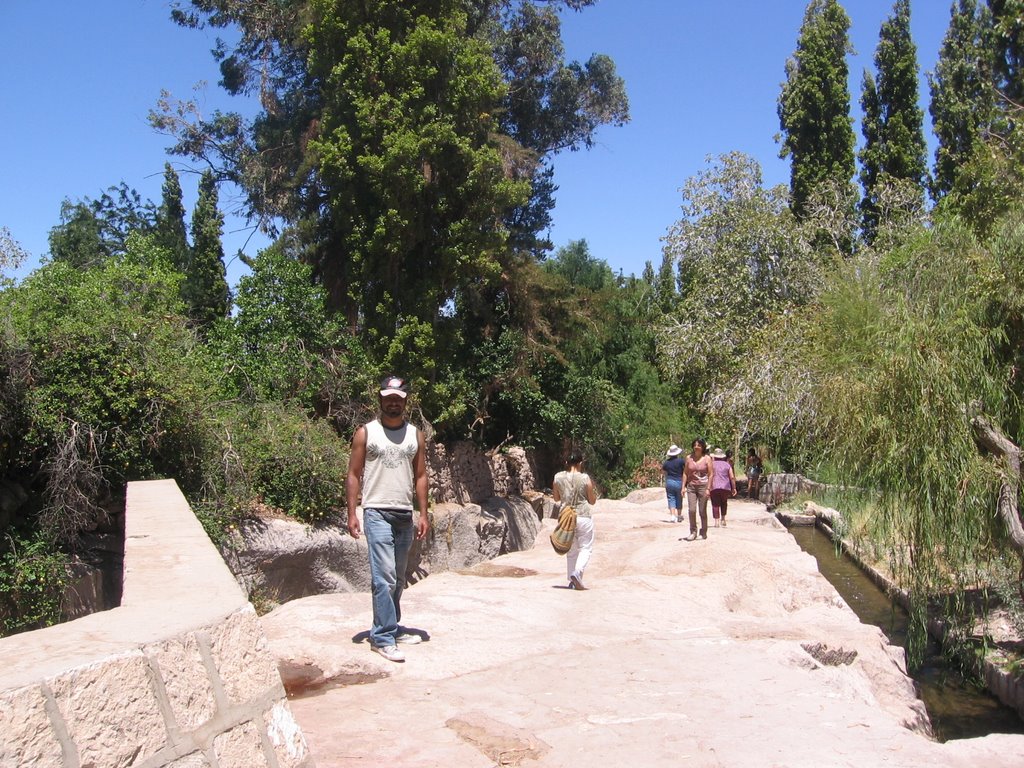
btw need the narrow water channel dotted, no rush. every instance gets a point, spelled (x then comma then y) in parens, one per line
(957, 708)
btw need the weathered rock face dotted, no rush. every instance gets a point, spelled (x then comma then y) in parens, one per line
(480, 513)
(284, 559)
(462, 473)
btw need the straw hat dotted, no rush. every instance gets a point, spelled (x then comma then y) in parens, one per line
(674, 450)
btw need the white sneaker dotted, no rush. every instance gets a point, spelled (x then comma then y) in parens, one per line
(409, 638)
(389, 652)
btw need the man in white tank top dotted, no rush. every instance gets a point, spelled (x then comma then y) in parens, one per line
(387, 470)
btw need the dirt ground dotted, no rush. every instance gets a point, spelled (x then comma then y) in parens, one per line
(732, 651)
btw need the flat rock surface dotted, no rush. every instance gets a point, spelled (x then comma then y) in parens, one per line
(732, 651)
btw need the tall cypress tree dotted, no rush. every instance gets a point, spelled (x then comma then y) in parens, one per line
(206, 288)
(894, 148)
(814, 106)
(170, 221)
(962, 97)
(665, 284)
(872, 129)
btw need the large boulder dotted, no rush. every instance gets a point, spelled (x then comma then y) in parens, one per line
(282, 559)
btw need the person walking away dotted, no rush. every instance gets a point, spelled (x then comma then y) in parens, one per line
(387, 470)
(574, 487)
(753, 471)
(696, 479)
(672, 468)
(723, 485)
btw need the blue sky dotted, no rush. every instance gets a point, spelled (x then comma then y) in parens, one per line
(79, 78)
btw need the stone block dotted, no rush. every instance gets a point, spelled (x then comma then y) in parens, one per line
(244, 663)
(26, 735)
(241, 747)
(285, 736)
(185, 679)
(111, 711)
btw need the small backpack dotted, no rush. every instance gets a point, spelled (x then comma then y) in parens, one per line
(565, 530)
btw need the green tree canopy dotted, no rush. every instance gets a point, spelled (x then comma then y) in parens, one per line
(205, 288)
(407, 146)
(741, 260)
(894, 148)
(895, 380)
(91, 231)
(169, 227)
(814, 106)
(962, 97)
(114, 384)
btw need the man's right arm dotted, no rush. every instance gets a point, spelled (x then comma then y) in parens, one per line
(354, 481)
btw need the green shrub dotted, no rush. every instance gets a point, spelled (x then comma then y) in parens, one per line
(118, 390)
(275, 455)
(33, 576)
(273, 348)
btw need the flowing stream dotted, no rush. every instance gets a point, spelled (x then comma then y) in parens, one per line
(957, 708)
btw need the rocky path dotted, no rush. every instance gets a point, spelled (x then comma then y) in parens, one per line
(732, 651)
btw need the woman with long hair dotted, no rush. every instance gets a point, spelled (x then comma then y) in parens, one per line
(696, 480)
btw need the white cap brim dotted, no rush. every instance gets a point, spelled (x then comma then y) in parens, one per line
(400, 393)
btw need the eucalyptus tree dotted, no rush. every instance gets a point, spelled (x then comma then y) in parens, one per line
(741, 260)
(814, 105)
(962, 96)
(550, 105)
(894, 147)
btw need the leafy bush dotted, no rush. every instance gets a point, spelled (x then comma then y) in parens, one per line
(273, 454)
(32, 580)
(275, 345)
(118, 388)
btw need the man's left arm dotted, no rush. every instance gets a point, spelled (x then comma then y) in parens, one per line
(419, 469)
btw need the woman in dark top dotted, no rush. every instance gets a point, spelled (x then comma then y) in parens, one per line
(755, 467)
(673, 467)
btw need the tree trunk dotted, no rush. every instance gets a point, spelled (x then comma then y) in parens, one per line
(991, 438)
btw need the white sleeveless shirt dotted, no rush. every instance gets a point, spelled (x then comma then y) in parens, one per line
(388, 477)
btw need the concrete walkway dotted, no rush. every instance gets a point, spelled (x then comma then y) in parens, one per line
(732, 651)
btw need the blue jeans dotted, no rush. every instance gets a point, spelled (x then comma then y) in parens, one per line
(674, 494)
(388, 543)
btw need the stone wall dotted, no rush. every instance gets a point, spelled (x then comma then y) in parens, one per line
(179, 675)
(779, 487)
